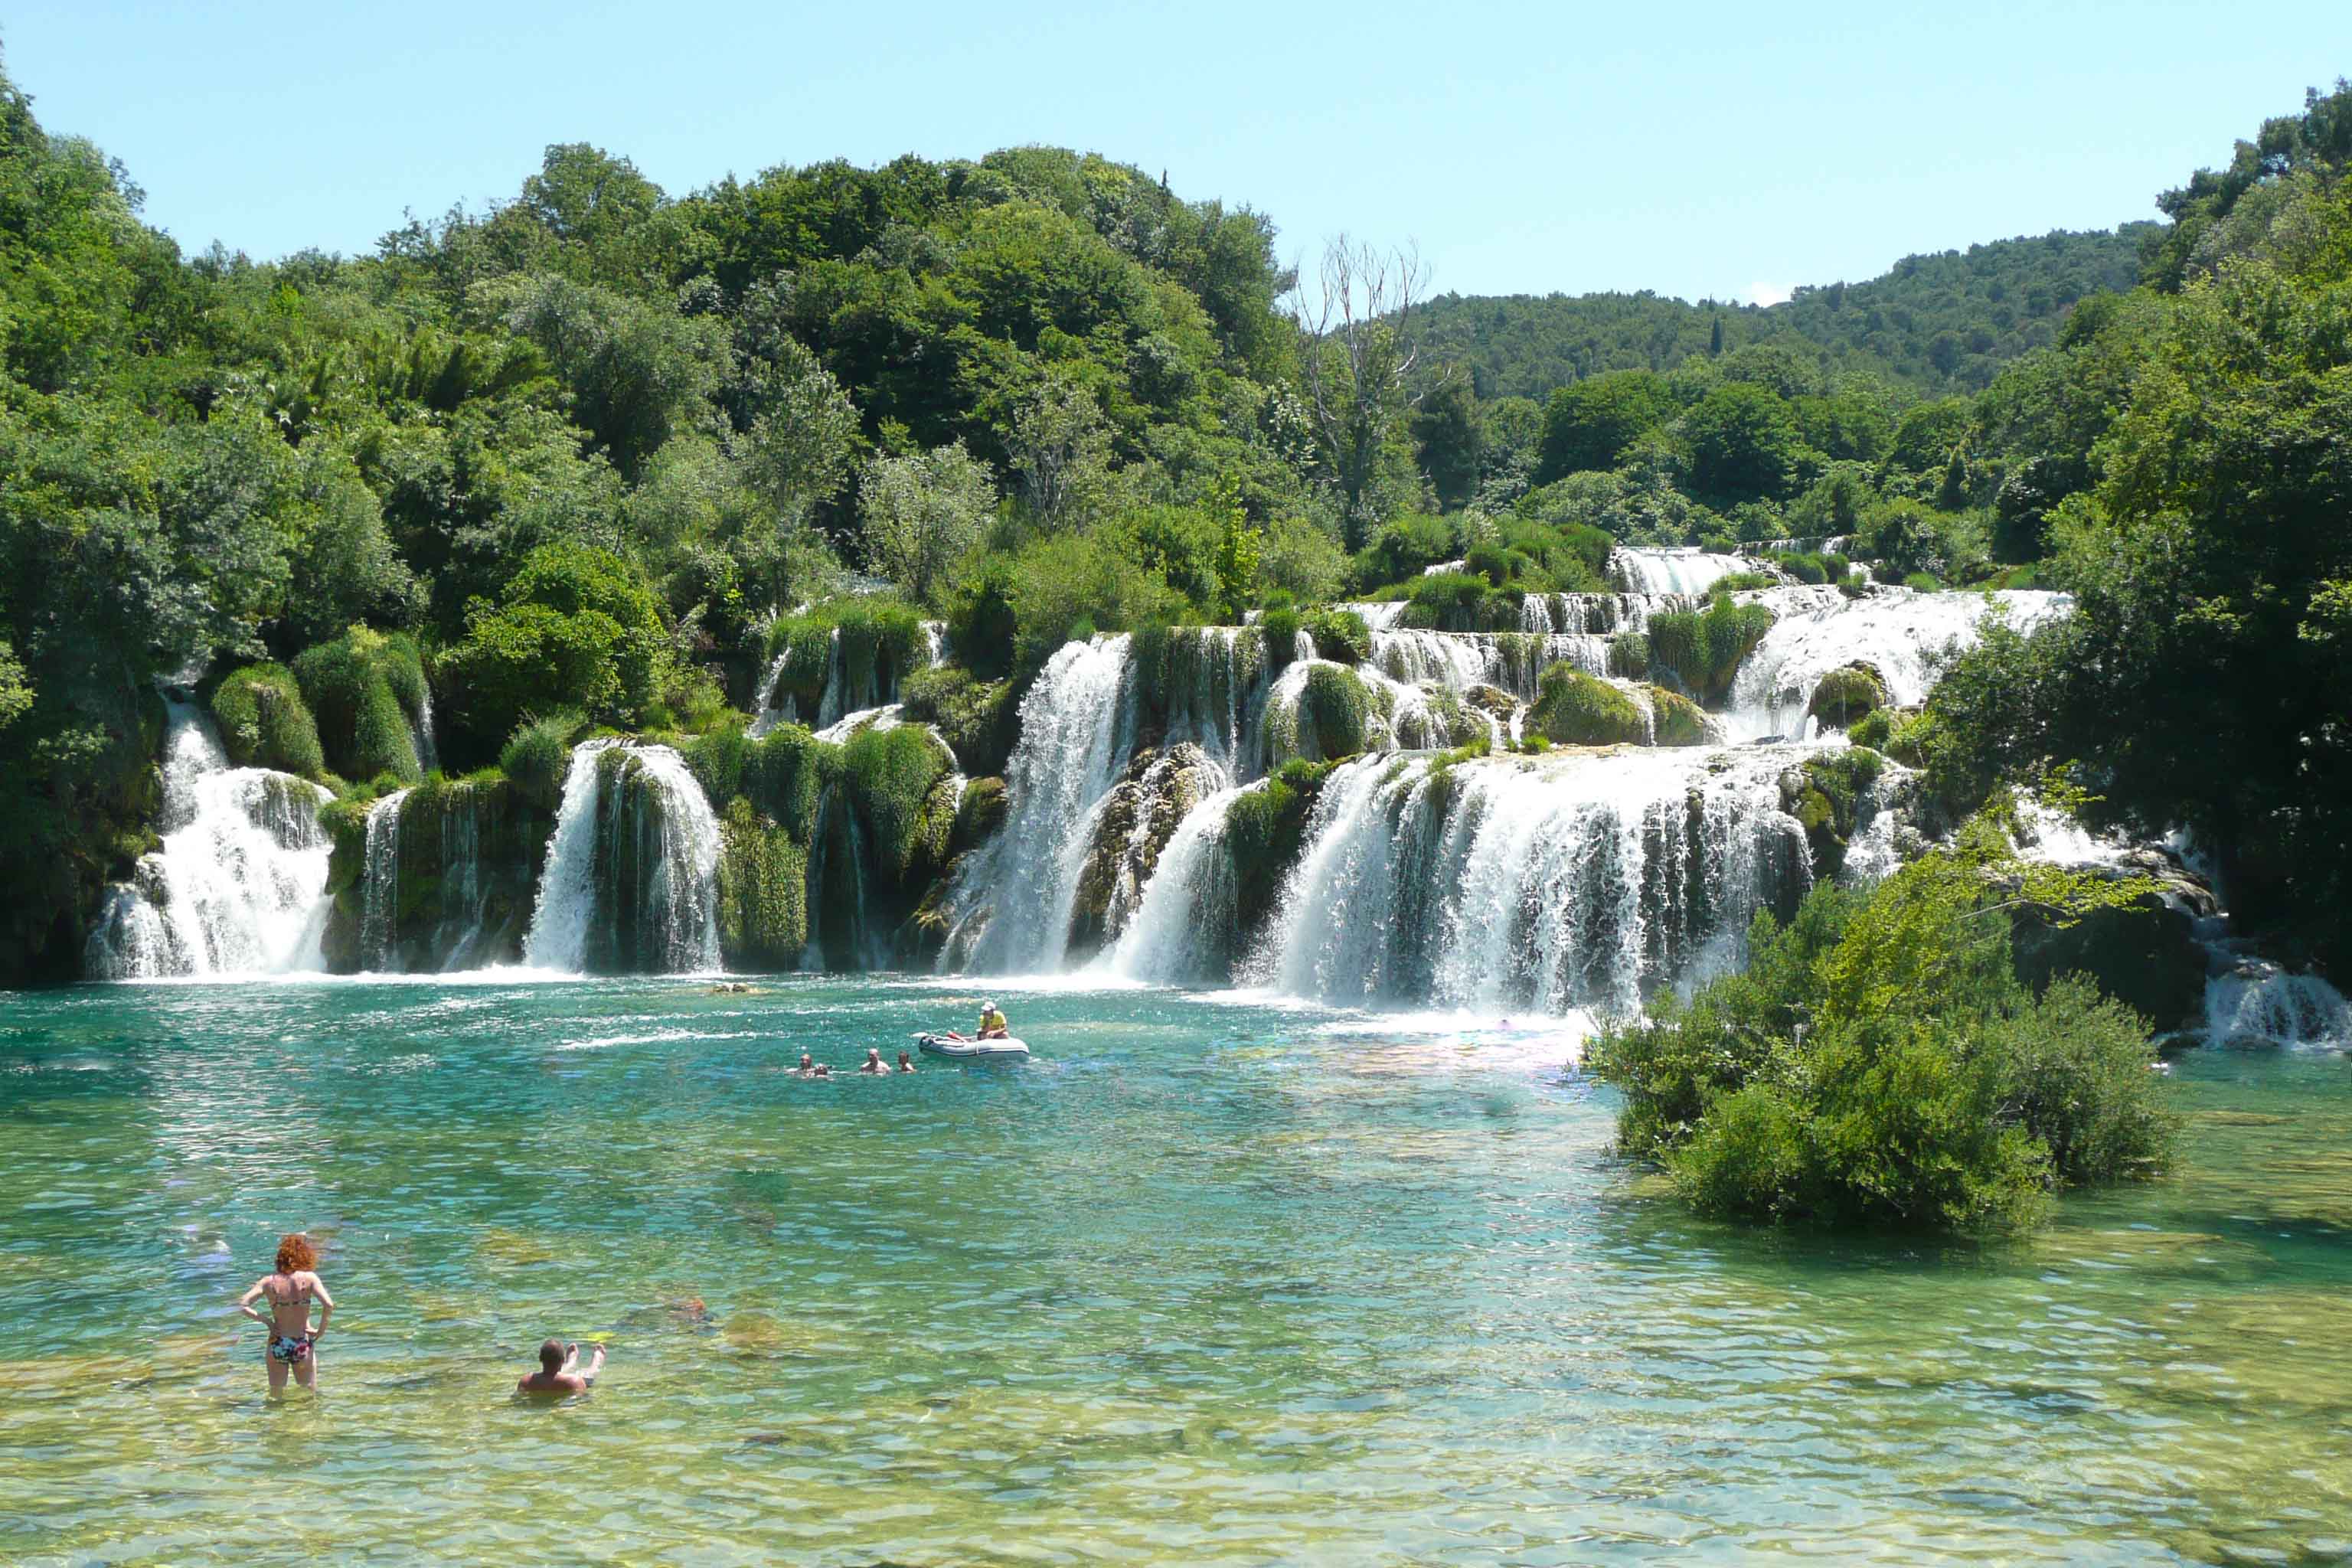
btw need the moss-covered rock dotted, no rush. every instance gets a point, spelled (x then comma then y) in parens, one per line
(872, 646)
(890, 775)
(1629, 656)
(1136, 821)
(1679, 721)
(537, 756)
(979, 719)
(1277, 631)
(762, 891)
(264, 722)
(467, 865)
(1845, 695)
(1825, 795)
(1265, 829)
(979, 814)
(1573, 708)
(1328, 712)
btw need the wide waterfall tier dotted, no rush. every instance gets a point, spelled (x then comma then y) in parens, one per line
(1900, 634)
(1643, 571)
(1577, 882)
(238, 886)
(631, 879)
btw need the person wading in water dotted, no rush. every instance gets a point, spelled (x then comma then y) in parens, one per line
(292, 1339)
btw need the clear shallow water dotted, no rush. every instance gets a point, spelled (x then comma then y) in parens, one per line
(1211, 1283)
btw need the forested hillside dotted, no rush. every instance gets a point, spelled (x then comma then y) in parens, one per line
(603, 456)
(1941, 323)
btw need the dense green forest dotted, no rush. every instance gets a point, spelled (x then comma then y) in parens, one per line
(1939, 324)
(594, 455)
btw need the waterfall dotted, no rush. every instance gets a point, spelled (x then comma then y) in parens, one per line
(464, 888)
(428, 756)
(2256, 999)
(1584, 882)
(240, 884)
(1674, 571)
(380, 890)
(1183, 930)
(631, 880)
(1068, 757)
(1897, 632)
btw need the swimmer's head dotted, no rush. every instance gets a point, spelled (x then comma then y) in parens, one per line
(806, 1059)
(551, 1355)
(294, 1254)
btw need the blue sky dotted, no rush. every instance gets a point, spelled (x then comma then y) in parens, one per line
(1725, 149)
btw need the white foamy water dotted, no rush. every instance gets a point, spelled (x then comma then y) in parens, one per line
(238, 886)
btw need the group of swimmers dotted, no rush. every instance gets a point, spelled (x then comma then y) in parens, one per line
(811, 1068)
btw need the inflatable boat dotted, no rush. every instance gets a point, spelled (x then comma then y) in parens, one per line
(1006, 1049)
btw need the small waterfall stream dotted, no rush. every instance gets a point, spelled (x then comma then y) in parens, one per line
(380, 888)
(631, 879)
(238, 886)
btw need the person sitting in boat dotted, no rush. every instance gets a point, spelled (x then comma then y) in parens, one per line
(874, 1062)
(992, 1026)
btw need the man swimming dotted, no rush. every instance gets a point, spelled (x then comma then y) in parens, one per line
(558, 1374)
(874, 1062)
(906, 1062)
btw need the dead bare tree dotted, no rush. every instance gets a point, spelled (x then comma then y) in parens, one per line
(1356, 361)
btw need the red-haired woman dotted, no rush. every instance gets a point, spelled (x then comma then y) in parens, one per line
(291, 1337)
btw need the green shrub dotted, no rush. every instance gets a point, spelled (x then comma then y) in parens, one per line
(1629, 656)
(1846, 694)
(1879, 1061)
(1924, 582)
(264, 722)
(1573, 708)
(890, 774)
(539, 752)
(1280, 629)
(1704, 648)
(1741, 582)
(575, 626)
(1493, 563)
(1873, 729)
(355, 684)
(1333, 718)
(1339, 636)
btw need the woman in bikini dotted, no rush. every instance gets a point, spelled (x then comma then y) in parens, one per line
(291, 1337)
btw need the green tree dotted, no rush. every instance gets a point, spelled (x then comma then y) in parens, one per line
(922, 513)
(1589, 425)
(1743, 443)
